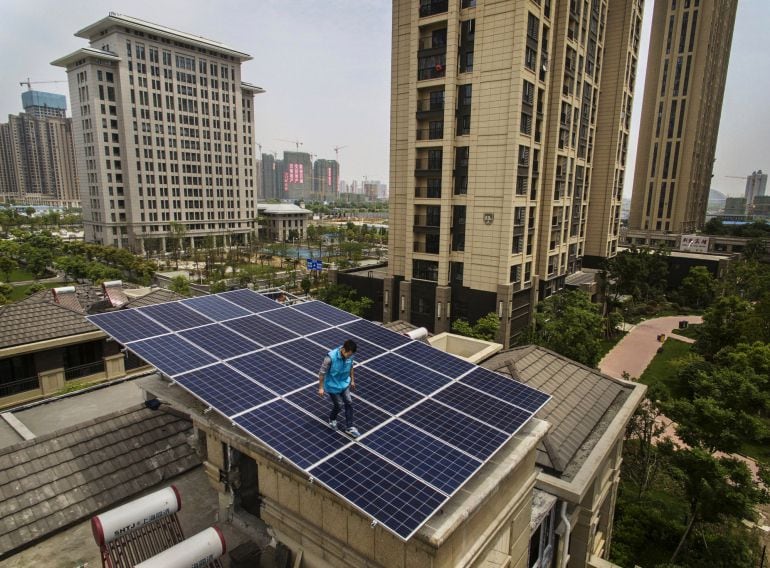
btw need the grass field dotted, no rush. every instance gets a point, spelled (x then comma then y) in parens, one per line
(662, 369)
(690, 331)
(20, 292)
(20, 275)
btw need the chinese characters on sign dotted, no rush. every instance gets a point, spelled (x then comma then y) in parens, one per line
(694, 243)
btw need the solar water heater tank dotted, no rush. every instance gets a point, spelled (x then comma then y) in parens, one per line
(198, 550)
(131, 516)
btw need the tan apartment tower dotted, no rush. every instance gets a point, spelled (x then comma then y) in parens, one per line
(37, 155)
(684, 88)
(163, 128)
(613, 124)
(494, 117)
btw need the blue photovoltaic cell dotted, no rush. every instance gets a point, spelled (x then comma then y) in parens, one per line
(391, 496)
(507, 389)
(259, 330)
(335, 337)
(381, 392)
(171, 354)
(365, 416)
(127, 325)
(376, 334)
(219, 341)
(486, 408)
(435, 359)
(216, 307)
(428, 458)
(325, 312)
(294, 320)
(302, 352)
(461, 431)
(269, 370)
(175, 316)
(224, 389)
(297, 436)
(249, 300)
(407, 373)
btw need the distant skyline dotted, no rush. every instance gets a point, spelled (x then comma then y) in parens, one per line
(326, 69)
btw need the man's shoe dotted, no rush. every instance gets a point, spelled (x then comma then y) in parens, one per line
(333, 424)
(353, 432)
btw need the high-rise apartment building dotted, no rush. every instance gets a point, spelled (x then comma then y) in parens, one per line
(37, 156)
(494, 131)
(325, 178)
(684, 88)
(756, 184)
(163, 126)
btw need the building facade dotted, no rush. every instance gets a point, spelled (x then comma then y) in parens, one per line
(163, 126)
(325, 180)
(684, 88)
(37, 156)
(756, 184)
(494, 123)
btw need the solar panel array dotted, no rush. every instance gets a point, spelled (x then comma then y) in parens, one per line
(428, 420)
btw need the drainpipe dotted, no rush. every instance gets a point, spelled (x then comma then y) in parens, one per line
(567, 532)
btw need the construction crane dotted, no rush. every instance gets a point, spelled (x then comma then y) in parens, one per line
(30, 83)
(297, 143)
(337, 152)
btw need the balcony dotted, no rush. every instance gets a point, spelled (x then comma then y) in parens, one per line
(425, 166)
(426, 248)
(435, 43)
(427, 106)
(436, 72)
(427, 222)
(431, 8)
(81, 371)
(435, 132)
(427, 192)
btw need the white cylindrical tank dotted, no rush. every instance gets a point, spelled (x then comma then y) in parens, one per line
(419, 333)
(195, 552)
(126, 518)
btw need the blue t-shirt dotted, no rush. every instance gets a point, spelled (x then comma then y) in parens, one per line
(337, 378)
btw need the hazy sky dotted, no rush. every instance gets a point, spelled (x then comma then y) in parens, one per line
(326, 68)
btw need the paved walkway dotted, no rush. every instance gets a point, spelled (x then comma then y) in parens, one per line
(635, 351)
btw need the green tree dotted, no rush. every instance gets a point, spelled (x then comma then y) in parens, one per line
(724, 324)
(7, 266)
(345, 298)
(305, 284)
(217, 287)
(639, 272)
(699, 288)
(570, 324)
(180, 285)
(177, 235)
(486, 327)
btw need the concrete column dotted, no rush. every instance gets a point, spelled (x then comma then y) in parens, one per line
(443, 299)
(404, 301)
(504, 297)
(389, 296)
(51, 381)
(114, 366)
(580, 540)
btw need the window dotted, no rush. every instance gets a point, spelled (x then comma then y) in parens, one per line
(425, 270)
(530, 58)
(523, 155)
(528, 92)
(533, 26)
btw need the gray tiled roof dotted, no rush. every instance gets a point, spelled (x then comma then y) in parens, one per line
(158, 296)
(30, 321)
(582, 400)
(53, 481)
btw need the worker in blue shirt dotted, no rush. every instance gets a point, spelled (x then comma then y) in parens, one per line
(336, 378)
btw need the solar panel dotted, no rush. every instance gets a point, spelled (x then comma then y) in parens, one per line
(383, 393)
(429, 419)
(484, 407)
(435, 359)
(430, 459)
(398, 500)
(294, 320)
(127, 325)
(273, 372)
(325, 312)
(506, 389)
(174, 316)
(302, 352)
(219, 341)
(216, 307)
(295, 435)
(260, 330)
(376, 334)
(171, 354)
(225, 389)
(365, 416)
(407, 373)
(460, 430)
(249, 300)
(334, 337)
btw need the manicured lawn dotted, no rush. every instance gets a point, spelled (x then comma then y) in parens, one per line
(662, 369)
(608, 344)
(690, 331)
(20, 292)
(21, 274)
